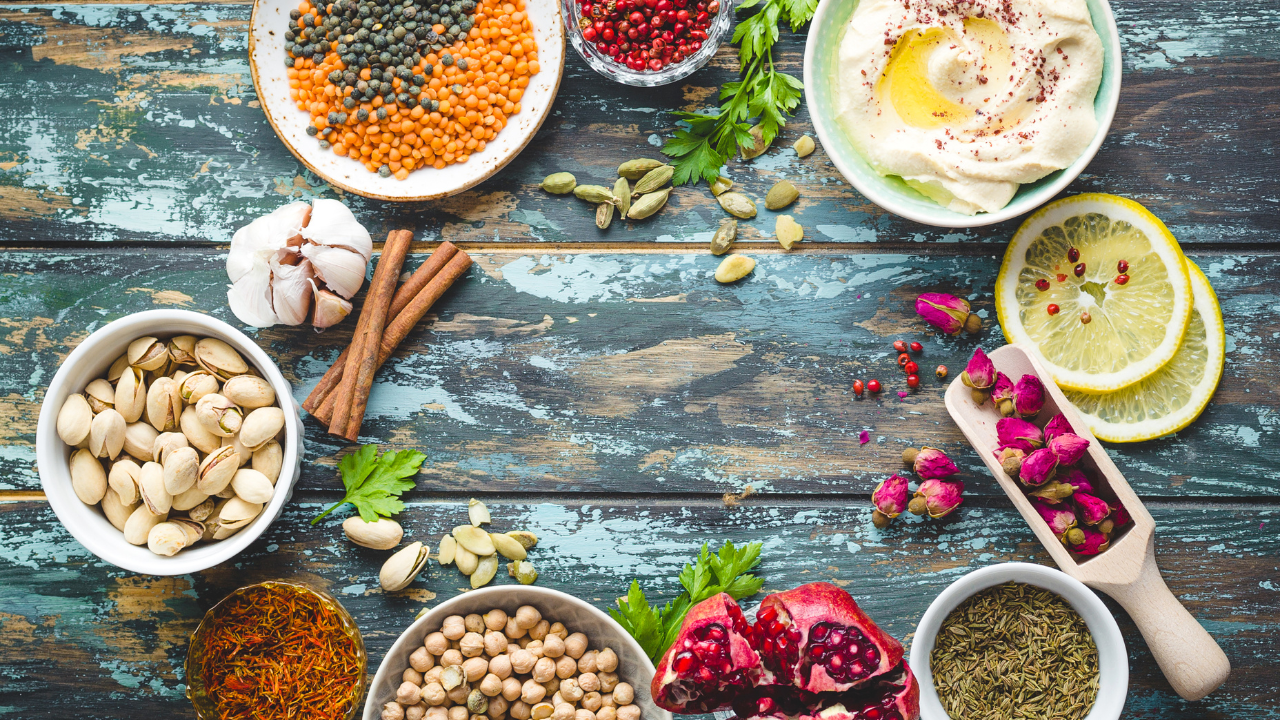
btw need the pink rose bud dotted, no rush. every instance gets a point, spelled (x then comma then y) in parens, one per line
(1002, 394)
(1028, 395)
(1056, 426)
(933, 463)
(1093, 543)
(1009, 430)
(1039, 467)
(1069, 448)
(1076, 479)
(1119, 515)
(947, 313)
(1093, 509)
(941, 497)
(1059, 518)
(980, 374)
(890, 496)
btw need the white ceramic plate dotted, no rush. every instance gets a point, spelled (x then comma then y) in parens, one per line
(267, 26)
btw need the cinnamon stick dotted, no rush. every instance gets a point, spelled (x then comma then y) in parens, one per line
(407, 291)
(353, 392)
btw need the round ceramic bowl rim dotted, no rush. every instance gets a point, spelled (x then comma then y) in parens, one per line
(343, 612)
(437, 614)
(500, 164)
(51, 452)
(825, 128)
(721, 26)
(1113, 677)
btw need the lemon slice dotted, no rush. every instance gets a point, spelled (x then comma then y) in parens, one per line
(1174, 396)
(1107, 332)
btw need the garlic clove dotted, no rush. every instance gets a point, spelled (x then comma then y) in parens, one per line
(330, 309)
(250, 297)
(339, 268)
(290, 291)
(333, 224)
(258, 241)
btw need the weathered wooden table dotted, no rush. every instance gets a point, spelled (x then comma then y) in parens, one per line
(600, 388)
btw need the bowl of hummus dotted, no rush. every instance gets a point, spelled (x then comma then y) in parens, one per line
(961, 113)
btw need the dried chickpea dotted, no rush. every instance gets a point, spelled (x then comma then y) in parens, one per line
(563, 711)
(541, 711)
(607, 713)
(479, 717)
(495, 619)
(532, 692)
(583, 714)
(575, 645)
(512, 647)
(471, 644)
(454, 628)
(458, 712)
(459, 694)
(589, 682)
(436, 643)
(606, 700)
(527, 616)
(607, 660)
(491, 685)
(501, 666)
(433, 694)
(392, 711)
(408, 694)
(415, 712)
(544, 670)
(570, 690)
(624, 694)
(519, 710)
(566, 667)
(421, 661)
(553, 647)
(608, 681)
(522, 661)
(437, 713)
(513, 629)
(591, 701)
(511, 689)
(535, 649)
(539, 630)
(557, 699)
(497, 707)
(411, 675)
(432, 675)
(524, 641)
(558, 629)
(628, 712)
(495, 643)
(474, 623)
(587, 663)
(452, 656)
(475, 668)
(552, 685)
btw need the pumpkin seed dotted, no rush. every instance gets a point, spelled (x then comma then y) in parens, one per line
(721, 185)
(654, 179)
(560, 183)
(485, 570)
(465, 560)
(604, 214)
(804, 147)
(636, 169)
(782, 194)
(478, 512)
(524, 537)
(724, 237)
(757, 148)
(523, 571)
(788, 231)
(734, 267)
(474, 539)
(595, 194)
(622, 196)
(737, 204)
(509, 547)
(448, 548)
(649, 204)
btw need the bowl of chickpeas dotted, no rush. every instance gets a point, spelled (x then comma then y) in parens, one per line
(524, 653)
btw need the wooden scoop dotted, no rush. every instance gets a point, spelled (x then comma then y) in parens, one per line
(1193, 663)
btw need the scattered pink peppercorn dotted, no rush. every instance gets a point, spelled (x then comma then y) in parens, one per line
(899, 346)
(1073, 255)
(911, 368)
(873, 386)
(1062, 277)
(1053, 309)
(857, 388)
(916, 347)
(1122, 279)
(1122, 266)
(1042, 285)
(903, 359)
(1079, 269)
(913, 380)
(1085, 319)
(941, 372)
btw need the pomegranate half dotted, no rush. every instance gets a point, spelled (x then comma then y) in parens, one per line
(711, 660)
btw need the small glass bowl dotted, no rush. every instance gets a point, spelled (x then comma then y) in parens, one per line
(198, 694)
(605, 65)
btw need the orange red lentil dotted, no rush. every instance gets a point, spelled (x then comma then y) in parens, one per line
(501, 55)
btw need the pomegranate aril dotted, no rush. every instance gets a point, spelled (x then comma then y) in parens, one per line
(685, 662)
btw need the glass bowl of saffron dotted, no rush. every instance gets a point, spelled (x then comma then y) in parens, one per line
(276, 650)
(647, 43)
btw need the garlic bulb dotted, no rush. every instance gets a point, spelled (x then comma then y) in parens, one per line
(298, 257)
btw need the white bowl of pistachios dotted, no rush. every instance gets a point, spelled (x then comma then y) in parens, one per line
(168, 442)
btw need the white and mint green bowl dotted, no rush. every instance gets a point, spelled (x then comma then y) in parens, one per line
(821, 59)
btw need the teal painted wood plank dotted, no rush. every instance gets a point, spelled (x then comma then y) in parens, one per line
(639, 373)
(140, 123)
(80, 637)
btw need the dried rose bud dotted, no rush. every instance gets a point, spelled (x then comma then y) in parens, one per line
(1010, 430)
(1120, 515)
(979, 374)
(933, 463)
(1028, 395)
(1038, 467)
(1092, 543)
(1076, 479)
(940, 496)
(947, 313)
(1002, 394)
(1059, 518)
(909, 456)
(1069, 448)
(890, 499)
(1053, 492)
(1011, 460)
(1093, 509)
(1056, 426)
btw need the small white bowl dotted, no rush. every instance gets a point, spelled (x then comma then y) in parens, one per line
(577, 615)
(1113, 658)
(91, 359)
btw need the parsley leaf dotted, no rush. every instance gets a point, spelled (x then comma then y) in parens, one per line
(710, 574)
(374, 482)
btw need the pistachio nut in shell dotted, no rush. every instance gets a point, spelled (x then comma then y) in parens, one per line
(260, 426)
(88, 479)
(182, 349)
(196, 384)
(148, 354)
(402, 567)
(217, 469)
(189, 500)
(509, 547)
(218, 415)
(140, 523)
(140, 440)
(222, 531)
(720, 185)
(100, 395)
(249, 392)
(181, 468)
(226, 493)
(164, 404)
(106, 433)
(116, 511)
(474, 539)
(734, 267)
(252, 486)
(465, 560)
(239, 512)
(722, 240)
(268, 459)
(166, 538)
(74, 419)
(448, 550)
(202, 510)
(167, 442)
(151, 486)
(123, 479)
(381, 534)
(758, 145)
(117, 368)
(245, 453)
(219, 358)
(131, 394)
(524, 537)
(194, 529)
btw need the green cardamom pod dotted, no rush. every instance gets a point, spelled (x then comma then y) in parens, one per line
(737, 204)
(781, 195)
(649, 204)
(654, 179)
(757, 148)
(721, 185)
(724, 237)
(636, 169)
(622, 196)
(604, 215)
(594, 193)
(559, 183)
(804, 146)
(788, 231)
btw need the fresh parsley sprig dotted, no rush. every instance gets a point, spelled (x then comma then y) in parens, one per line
(761, 92)
(374, 482)
(726, 571)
